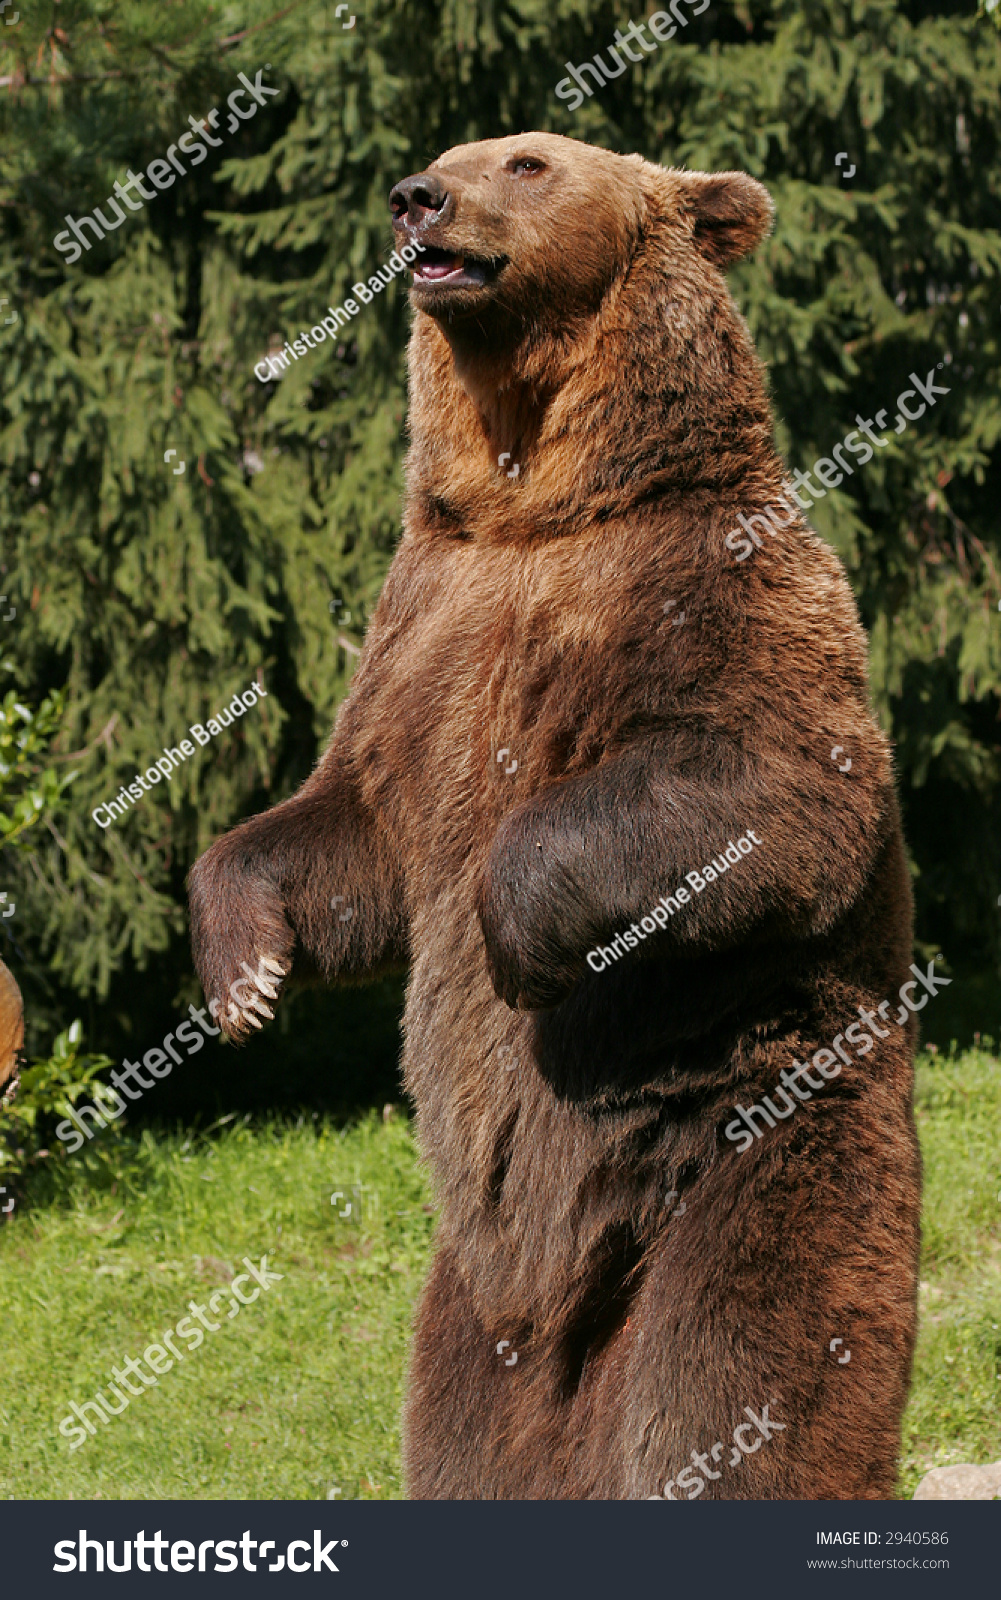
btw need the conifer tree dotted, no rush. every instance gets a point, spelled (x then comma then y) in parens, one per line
(152, 596)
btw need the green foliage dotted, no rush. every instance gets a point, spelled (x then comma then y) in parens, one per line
(28, 793)
(150, 597)
(41, 1096)
(31, 792)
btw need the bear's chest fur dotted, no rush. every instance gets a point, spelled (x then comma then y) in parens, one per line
(493, 671)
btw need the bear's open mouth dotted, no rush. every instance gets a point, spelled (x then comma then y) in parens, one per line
(444, 269)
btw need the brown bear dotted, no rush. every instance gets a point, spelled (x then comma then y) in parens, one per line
(574, 705)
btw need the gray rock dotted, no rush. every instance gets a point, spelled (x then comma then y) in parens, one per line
(961, 1483)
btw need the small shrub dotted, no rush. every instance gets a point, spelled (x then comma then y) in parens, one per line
(43, 1093)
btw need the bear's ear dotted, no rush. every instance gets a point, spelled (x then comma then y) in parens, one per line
(730, 213)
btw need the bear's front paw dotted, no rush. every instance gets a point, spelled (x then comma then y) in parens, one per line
(241, 940)
(527, 968)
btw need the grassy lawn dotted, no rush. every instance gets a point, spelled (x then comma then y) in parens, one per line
(300, 1394)
(955, 1406)
(297, 1396)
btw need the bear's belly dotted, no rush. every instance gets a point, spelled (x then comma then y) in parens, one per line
(612, 1289)
(730, 1309)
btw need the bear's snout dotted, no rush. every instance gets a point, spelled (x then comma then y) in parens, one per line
(423, 208)
(419, 199)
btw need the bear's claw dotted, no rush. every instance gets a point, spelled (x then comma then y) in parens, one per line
(240, 1015)
(245, 1007)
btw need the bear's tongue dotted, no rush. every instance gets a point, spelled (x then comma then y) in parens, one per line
(438, 265)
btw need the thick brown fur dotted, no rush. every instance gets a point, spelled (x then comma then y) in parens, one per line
(11, 1030)
(558, 1108)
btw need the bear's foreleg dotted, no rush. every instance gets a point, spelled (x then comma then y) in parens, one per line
(580, 864)
(309, 882)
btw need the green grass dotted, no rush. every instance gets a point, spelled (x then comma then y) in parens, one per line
(954, 1412)
(300, 1394)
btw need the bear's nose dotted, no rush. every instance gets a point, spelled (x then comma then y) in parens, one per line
(419, 198)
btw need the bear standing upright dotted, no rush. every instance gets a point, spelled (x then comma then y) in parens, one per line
(571, 698)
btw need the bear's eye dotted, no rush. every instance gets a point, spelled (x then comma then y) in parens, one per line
(527, 164)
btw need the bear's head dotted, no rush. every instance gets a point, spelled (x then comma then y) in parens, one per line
(552, 274)
(538, 226)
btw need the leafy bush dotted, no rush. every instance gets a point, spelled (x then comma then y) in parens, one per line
(46, 1090)
(27, 791)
